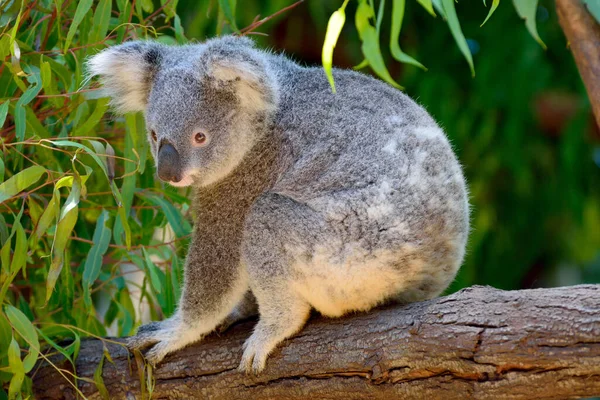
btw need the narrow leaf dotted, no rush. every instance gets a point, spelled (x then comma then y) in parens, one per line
(20, 249)
(101, 21)
(48, 216)
(228, 8)
(334, 28)
(3, 112)
(456, 30)
(20, 181)
(180, 225)
(16, 367)
(495, 4)
(427, 4)
(527, 10)
(370, 42)
(26, 330)
(152, 271)
(397, 53)
(93, 262)
(83, 6)
(5, 335)
(99, 381)
(593, 7)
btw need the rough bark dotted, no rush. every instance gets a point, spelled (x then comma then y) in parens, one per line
(583, 34)
(479, 343)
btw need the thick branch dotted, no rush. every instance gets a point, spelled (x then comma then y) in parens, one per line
(583, 34)
(479, 343)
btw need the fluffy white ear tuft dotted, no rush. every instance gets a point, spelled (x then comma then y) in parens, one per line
(126, 72)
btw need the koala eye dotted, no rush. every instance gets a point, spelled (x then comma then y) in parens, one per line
(200, 138)
(153, 134)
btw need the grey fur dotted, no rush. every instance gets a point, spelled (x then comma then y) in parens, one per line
(305, 199)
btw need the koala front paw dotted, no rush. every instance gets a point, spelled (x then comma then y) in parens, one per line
(164, 337)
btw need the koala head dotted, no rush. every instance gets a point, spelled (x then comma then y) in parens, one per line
(205, 105)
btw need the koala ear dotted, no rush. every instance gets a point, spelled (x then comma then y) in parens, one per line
(126, 71)
(246, 73)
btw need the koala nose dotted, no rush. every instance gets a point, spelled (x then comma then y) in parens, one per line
(169, 163)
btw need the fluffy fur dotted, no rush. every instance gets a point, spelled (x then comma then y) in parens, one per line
(305, 199)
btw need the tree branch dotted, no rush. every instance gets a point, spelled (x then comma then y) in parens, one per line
(583, 35)
(479, 343)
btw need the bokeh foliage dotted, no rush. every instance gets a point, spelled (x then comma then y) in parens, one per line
(81, 209)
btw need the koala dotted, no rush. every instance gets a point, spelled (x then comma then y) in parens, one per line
(304, 199)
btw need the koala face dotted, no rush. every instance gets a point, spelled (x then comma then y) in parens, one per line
(195, 131)
(205, 105)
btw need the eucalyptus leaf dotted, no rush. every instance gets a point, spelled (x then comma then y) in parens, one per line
(83, 6)
(20, 181)
(93, 262)
(397, 53)
(334, 28)
(527, 10)
(370, 42)
(27, 331)
(459, 37)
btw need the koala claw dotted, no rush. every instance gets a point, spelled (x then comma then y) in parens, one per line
(162, 337)
(140, 341)
(254, 358)
(157, 353)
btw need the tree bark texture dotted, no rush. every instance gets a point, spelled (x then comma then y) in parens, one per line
(583, 34)
(479, 343)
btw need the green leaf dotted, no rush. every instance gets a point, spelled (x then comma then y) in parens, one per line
(3, 112)
(334, 28)
(68, 218)
(170, 7)
(427, 5)
(16, 367)
(593, 7)
(26, 330)
(54, 345)
(397, 53)
(99, 381)
(48, 216)
(527, 10)
(36, 85)
(20, 121)
(152, 271)
(179, 33)
(5, 335)
(20, 249)
(495, 4)
(2, 168)
(101, 21)
(437, 4)
(180, 225)
(92, 121)
(459, 37)
(9, 10)
(370, 42)
(68, 143)
(93, 262)
(228, 8)
(20, 181)
(83, 6)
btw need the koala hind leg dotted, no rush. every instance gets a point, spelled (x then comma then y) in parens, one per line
(274, 224)
(282, 314)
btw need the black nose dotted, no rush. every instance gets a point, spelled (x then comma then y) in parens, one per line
(169, 163)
